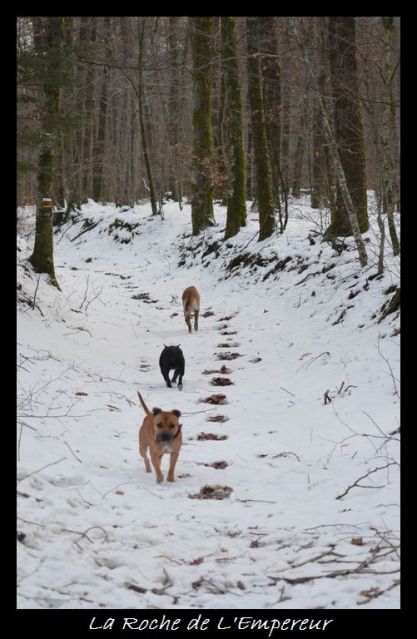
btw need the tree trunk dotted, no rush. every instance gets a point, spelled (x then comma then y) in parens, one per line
(342, 184)
(47, 47)
(384, 134)
(299, 151)
(271, 75)
(174, 105)
(285, 121)
(98, 152)
(333, 152)
(89, 119)
(79, 107)
(142, 124)
(262, 159)
(236, 203)
(319, 164)
(249, 162)
(320, 176)
(202, 214)
(348, 125)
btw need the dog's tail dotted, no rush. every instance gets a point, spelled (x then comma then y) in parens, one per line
(145, 408)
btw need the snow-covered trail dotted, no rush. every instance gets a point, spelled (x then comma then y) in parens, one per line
(99, 531)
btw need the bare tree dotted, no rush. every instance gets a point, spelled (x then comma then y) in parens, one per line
(333, 149)
(348, 125)
(260, 145)
(202, 187)
(385, 131)
(48, 35)
(236, 202)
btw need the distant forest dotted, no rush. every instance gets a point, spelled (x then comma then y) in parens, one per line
(196, 109)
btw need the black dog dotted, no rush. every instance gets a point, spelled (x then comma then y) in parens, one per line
(172, 357)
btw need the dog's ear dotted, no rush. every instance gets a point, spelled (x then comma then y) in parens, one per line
(176, 412)
(156, 411)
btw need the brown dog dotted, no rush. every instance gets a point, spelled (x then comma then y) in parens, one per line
(161, 433)
(191, 304)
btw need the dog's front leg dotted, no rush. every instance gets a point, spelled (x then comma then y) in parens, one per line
(143, 448)
(188, 322)
(173, 461)
(156, 462)
(178, 371)
(167, 380)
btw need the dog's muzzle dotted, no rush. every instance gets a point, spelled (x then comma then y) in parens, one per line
(164, 437)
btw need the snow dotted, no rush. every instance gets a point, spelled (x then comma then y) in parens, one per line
(97, 531)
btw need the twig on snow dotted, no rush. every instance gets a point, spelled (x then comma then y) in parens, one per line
(287, 391)
(36, 290)
(261, 501)
(39, 469)
(69, 447)
(93, 298)
(356, 483)
(378, 593)
(35, 523)
(84, 533)
(390, 368)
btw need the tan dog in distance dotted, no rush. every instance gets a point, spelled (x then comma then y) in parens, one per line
(161, 433)
(191, 304)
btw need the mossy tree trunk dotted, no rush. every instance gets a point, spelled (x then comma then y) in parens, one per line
(348, 125)
(48, 33)
(271, 76)
(202, 215)
(236, 202)
(260, 145)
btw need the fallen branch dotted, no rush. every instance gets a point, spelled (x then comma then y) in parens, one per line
(89, 228)
(356, 483)
(312, 559)
(84, 533)
(387, 541)
(34, 523)
(378, 593)
(43, 467)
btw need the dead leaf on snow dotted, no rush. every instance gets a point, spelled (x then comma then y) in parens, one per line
(357, 541)
(212, 492)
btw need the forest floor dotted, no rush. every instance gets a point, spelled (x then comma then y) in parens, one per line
(306, 437)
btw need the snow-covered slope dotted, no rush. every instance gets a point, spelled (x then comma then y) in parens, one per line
(313, 402)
